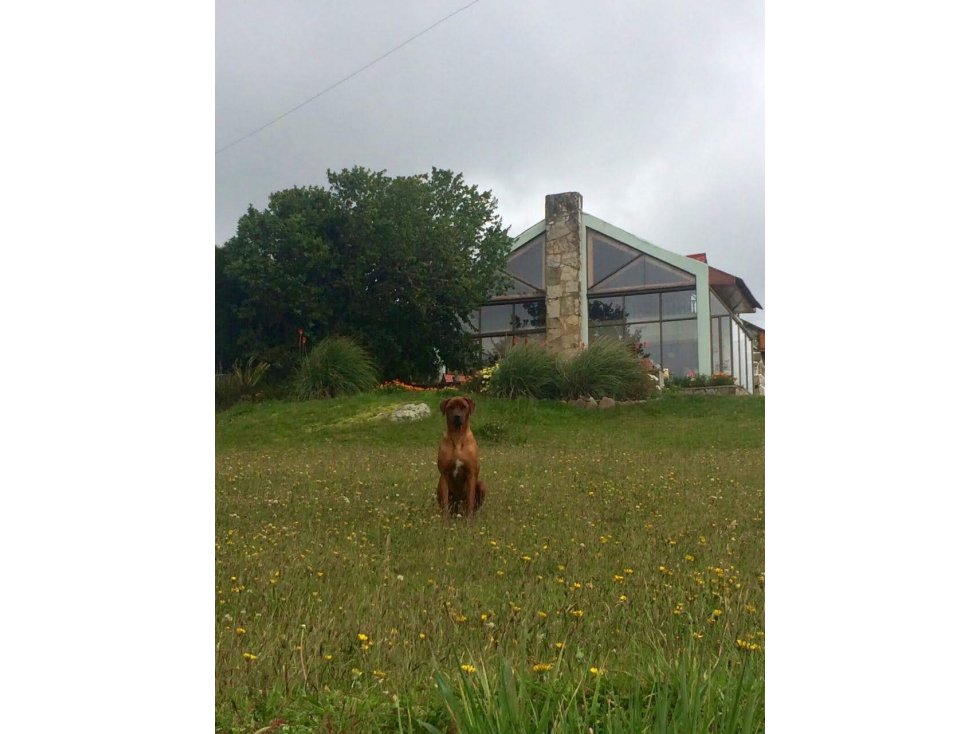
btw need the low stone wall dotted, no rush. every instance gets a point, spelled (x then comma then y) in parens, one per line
(715, 390)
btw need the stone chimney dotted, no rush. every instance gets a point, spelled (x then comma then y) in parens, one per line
(563, 271)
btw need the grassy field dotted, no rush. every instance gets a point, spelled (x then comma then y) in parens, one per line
(613, 582)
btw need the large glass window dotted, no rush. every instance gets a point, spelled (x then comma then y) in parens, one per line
(680, 347)
(679, 304)
(646, 338)
(642, 307)
(644, 300)
(496, 317)
(604, 310)
(511, 317)
(715, 346)
(724, 330)
(736, 356)
(717, 307)
(616, 332)
(529, 315)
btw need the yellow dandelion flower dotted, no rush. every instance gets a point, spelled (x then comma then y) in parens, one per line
(578, 612)
(576, 585)
(380, 674)
(240, 630)
(542, 615)
(616, 577)
(356, 672)
(421, 635)
(249, 657)
(623, 598)
(526, 558)
(467, 668)
(688, 557)
(628, 571)
(328, 658)
(543, 667)
(698, 635)
(559, 645)
(362, 637)
(596, 671)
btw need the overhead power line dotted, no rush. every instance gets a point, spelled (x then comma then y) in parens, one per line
(346, 78)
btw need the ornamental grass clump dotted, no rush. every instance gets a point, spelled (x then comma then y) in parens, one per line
(525, 370)
(336, 366)
(606, 368)
(241, 384)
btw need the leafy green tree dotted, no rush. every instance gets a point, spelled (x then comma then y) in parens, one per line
(397, 262)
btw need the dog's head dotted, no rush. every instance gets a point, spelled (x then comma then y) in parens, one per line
(457, 411)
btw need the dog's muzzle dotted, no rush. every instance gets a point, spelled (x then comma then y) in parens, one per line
(457, 420)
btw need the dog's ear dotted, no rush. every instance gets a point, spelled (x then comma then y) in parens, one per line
(472, 405)
(443, 404)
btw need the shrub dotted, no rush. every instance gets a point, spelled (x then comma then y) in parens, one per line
(241, 383)
(336, 366)
(606, 368)
(525, 370)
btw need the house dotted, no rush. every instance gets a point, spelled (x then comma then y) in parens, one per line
(575, 278)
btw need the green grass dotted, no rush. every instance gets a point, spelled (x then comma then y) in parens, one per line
(634, 537)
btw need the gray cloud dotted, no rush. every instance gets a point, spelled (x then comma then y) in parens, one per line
(653, 111)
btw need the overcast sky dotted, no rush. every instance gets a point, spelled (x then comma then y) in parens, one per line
(653, 111)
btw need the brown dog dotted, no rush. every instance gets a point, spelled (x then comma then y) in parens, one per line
(460, 488)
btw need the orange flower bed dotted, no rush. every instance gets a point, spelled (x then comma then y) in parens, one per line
(399, 385)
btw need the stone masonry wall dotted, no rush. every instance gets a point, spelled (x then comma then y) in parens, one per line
(562, 269)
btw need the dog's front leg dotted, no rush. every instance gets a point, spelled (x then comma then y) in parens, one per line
(443, 496)
(470, 494)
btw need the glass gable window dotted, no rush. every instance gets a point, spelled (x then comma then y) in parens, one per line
(519, 288)
(615, 266)
(606, 257)
(527, 263)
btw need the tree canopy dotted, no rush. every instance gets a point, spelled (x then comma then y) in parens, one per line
(399, 263)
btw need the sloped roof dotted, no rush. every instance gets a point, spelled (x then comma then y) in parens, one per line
(731, 289)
